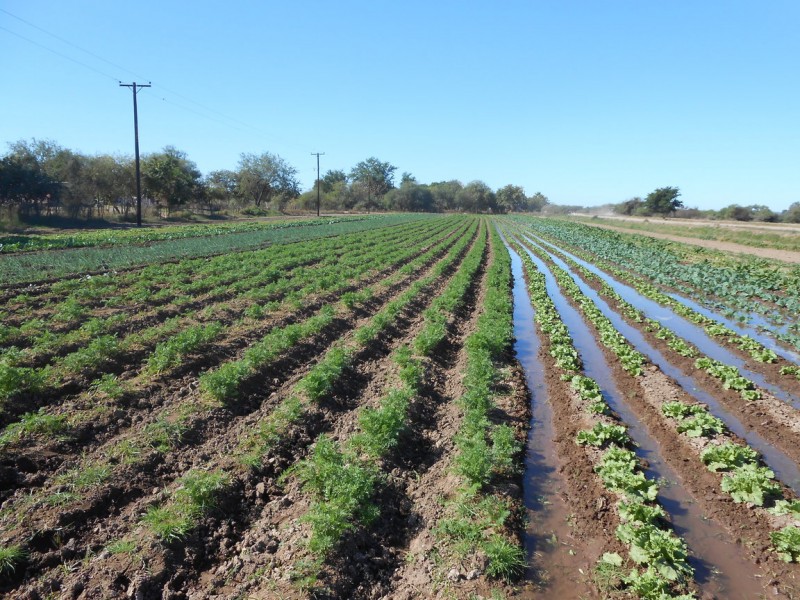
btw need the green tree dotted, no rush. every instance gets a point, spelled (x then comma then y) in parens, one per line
(171, 178)
(663, 201)
(374, 178)
(791, 214)
(445, 194)
(511, 197)
(476, 197)
(537, 202)
(266, 178)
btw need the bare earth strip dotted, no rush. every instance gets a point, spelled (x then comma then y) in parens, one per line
(767, 253)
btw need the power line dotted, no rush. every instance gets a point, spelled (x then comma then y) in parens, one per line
(61, 39)
(241, 124)
(76, 61)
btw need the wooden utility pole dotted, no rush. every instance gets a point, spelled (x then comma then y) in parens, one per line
(136, 87)
(317, 154)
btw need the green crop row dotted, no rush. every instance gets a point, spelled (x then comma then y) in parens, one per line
(476, 517)
(662, 555)
(744, 284)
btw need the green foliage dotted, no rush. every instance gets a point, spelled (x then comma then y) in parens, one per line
(96, 354)
(602, 434)
(728, 456)
(786, 507)
(168, 354)
(681, 410)
(787, 543)
(619, 472)
(659, 549)
(751, 483)
(10, 558)
(196, 494)
(38, 423)
(341, 486)
(663, 201)
(381, 427)
(701, 424)
(506, 559)
(17, 379)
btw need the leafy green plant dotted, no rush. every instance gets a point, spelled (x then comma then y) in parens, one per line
(602, 434)
(657, 548)
(787, 543)
(727, 456)
(701, 424)
(751, 483)
(38, 423)
(786, 507)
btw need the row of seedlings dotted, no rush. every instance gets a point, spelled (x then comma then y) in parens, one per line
(713, 328)
(98, 334)
(661, 569)
(478, 524)
(746, 480)
(341, 477)
(174, 516)
(339, 275)
(164, 434)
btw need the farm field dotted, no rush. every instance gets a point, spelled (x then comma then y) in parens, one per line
(398, 406)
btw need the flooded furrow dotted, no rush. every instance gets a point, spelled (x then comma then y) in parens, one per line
(785, 468)
(754, 332)
(719, 568)
(552, 563)
(681, 326)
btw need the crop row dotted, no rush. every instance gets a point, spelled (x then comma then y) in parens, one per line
(341, 477)
(749, 286)
(712, 327)
(12, 243)
(747, 481)
(192, 283)
(169, 521)
(100, 351)
(176, 517)
(41, 266)
(477, 516)
(642, 528)
(277, 340)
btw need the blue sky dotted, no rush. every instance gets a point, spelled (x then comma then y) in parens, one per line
(586, 101)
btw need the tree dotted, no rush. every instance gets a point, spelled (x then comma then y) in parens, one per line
(476, 197)
(374, 177)
(629, 207)
(663, 201)
(445, 194)
(331, 178)
(537, 202)
(511, 197)
(265, 178)
(410, 196)
(171, 178)
(791, 214)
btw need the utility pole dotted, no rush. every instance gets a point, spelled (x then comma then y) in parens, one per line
(317, 154)
(136, 87)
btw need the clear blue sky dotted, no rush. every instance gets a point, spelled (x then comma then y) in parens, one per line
(586, 101)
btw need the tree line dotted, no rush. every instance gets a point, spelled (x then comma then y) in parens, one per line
(40, 177)
(665, 202)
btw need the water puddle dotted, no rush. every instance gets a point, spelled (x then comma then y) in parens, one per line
(681, 326)
(719, 568)
(553, 565)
